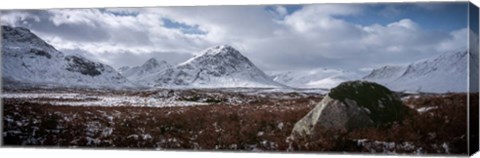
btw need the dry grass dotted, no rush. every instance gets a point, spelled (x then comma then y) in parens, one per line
(262, 124)
(217, 126)
(441, 130)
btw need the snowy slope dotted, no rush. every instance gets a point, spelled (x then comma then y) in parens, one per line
(151, 66)
(123, 69)
(386, 73)
(28, 60)
(314, 78)
(219, 66)
(445, 73)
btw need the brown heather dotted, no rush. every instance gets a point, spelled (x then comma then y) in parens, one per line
(258, 125)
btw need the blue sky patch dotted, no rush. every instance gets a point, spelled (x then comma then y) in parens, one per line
(119, 13)
(290, 9)
(187, 29)
(444, 17)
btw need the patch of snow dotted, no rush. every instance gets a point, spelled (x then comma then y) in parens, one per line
(107, 132)
(446, 148)
(425, 109)
(133, 136)
(146, 136)
(112, 100)
(366, 110)
(280, 126)
(260, 133)
(93, 141)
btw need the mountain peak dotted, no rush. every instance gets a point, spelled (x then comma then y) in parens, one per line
(18, 36)
(150, 66)
(218, 54)
(220, 49)
(152, 62)
(16, 30)
(30, 61)
(217, 66)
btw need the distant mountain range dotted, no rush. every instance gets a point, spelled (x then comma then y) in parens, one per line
(142, 74)
(313, 78)
(218, 66)
(445, 73)
(28, 60)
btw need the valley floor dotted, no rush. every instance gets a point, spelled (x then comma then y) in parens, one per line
(219, 119)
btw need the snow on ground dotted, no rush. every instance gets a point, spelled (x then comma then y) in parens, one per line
(76, 99)
(41, 95)
(425, 109)
(385, 147)
(255, 90)
(162, 97)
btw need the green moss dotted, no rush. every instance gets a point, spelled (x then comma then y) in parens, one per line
(384, 106)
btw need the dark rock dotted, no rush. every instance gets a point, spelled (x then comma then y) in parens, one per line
(41, 53)
(352, 105)
(83, 66)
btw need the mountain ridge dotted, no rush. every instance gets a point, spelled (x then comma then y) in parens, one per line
(444, 73)
(151, 66)
(312, 78)
(30, 61)
(217, 66)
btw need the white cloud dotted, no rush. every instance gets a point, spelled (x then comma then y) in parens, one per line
(12, 18)
(314, 36)
(319, 17)
(281, 10)
(458, 38)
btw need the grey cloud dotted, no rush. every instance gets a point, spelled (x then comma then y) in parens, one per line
(74, 32)
(309, 38)
(120, 59)
(131, 59)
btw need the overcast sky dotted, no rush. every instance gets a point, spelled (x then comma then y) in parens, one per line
(342, 36)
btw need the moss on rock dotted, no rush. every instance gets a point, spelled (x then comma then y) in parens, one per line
(383, 105)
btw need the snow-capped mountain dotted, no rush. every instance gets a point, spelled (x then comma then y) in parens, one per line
(386, 73)
(123, 69)
(445, 73)
(219, 66)
(151, 66)
(29, 60)
(314, 78)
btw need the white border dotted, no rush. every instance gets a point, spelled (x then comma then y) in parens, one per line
(468, 78)
(83, 153)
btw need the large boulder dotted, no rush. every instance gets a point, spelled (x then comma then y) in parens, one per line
(352, 105)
